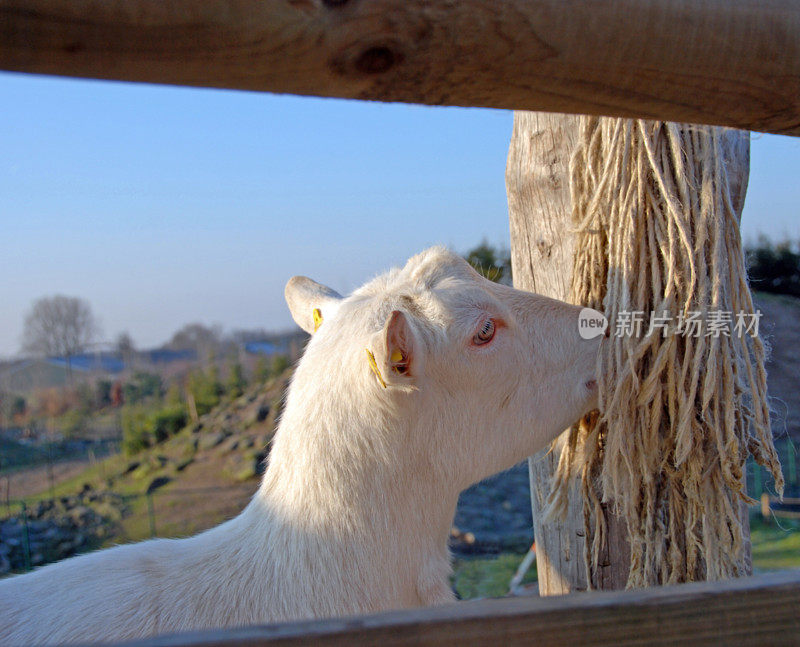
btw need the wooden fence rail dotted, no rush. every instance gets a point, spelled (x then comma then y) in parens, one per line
(759, 611)
(727, 62)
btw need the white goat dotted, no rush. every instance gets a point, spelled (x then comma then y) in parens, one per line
(420, 383)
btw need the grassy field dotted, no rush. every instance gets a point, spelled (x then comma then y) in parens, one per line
(776, 545)
(487, 577)
(198, 497)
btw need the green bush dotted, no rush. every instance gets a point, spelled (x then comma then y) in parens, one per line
(491, 263)
(236, 382)
(265, 369)
(102, 391)
(279, 364)
(167, 422)
(261, 372)
(143, 428)
(774, 267)
(73, 423)
(135, 433)
(85, 398)
(206, 390)
(174, 396)
(141, 387)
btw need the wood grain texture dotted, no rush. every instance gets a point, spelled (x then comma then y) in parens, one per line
(727, 62)
(747, 611)
(542, 244)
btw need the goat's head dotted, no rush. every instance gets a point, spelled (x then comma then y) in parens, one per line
(483, 373)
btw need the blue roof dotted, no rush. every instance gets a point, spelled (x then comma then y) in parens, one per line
(164, 355)
(263, 348)
(91, 362)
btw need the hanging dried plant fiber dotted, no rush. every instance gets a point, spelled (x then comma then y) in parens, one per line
(658, 233)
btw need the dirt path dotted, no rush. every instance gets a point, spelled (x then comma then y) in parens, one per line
(35, 480)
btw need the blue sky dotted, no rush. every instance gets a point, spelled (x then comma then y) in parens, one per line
(162, 206)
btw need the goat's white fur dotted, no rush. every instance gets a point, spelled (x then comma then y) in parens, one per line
(355, 508)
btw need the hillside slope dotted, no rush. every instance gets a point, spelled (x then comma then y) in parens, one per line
(208, 472)
(196, 479)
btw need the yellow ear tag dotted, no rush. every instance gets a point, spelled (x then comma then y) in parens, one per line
(397, 355)
(317, 318)
(374, 366)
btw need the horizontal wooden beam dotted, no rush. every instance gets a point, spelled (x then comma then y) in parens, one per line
(749, 611)
(728, 62)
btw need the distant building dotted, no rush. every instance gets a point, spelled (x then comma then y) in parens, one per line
(166, 356)
(265, 347)
(26, 375)
(91, 363)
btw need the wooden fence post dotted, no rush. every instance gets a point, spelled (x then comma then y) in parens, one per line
(537, 182)
(542, 245)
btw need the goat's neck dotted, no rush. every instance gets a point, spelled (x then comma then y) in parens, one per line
(343, 476)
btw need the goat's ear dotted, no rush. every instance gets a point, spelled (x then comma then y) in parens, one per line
(401, 348)
(310, 302)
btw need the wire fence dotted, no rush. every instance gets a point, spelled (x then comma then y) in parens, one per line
(51, 463)
(36, 531)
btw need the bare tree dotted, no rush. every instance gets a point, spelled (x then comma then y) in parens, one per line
(125, 348)
(59, 326)
(204, 340)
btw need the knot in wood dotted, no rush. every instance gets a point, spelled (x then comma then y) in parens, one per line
(544, 248)
(376, 60)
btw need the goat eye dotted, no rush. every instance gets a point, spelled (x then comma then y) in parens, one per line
(485, 334)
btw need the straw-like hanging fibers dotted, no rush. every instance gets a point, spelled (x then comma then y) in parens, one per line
(658, 233)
